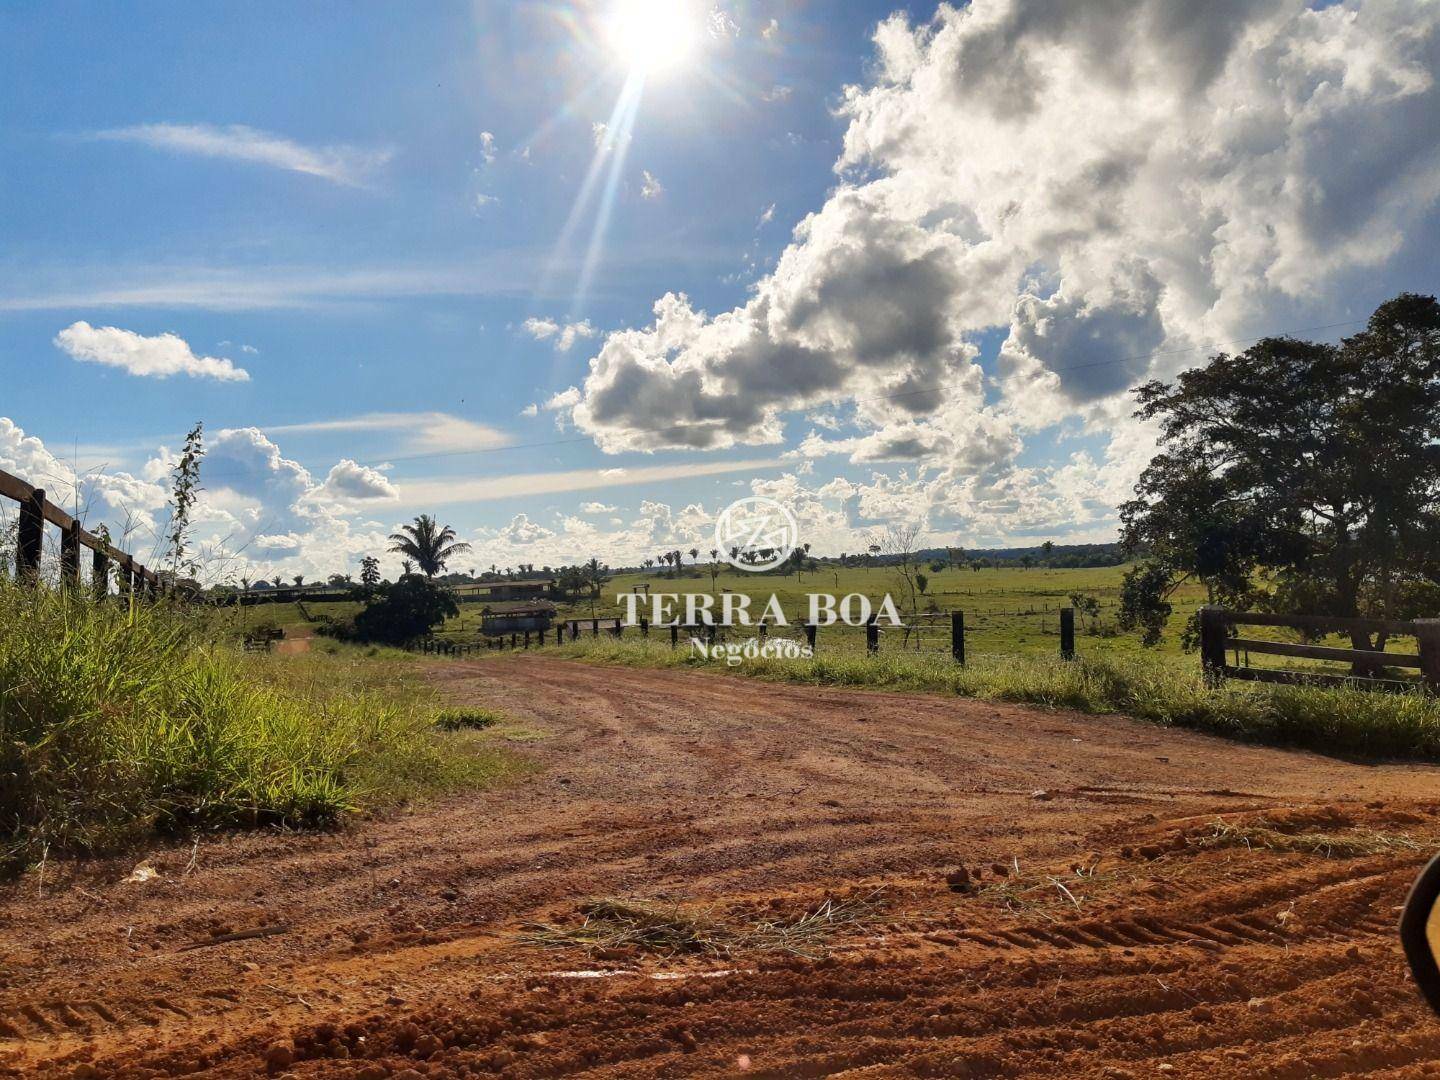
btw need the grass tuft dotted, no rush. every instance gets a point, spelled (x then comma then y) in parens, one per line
(467, 719)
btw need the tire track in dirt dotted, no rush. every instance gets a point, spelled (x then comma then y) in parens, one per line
(741, 799)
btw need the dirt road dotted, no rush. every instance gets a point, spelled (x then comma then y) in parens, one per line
(1137, 903)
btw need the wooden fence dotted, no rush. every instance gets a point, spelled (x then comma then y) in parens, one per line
(36, 512)
(1217, 639)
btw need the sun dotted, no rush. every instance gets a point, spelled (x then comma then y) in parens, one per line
(650, 36)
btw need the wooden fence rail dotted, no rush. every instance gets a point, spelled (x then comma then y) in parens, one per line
(36, 511)
(1217, 640)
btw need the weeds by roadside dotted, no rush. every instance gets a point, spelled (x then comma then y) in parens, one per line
(115, 721)
(1162, 690)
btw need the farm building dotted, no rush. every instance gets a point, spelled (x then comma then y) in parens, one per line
(506, 591)
(499, 619)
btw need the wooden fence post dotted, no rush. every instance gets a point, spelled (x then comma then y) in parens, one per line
(1428, 633)
(764, 631)
(810, 630)
(674, 635)
(710, 635)
(527, 639)
(594, 627)
(100, 574)
(1212, 644)
(30, 537)
(1067, 633)
(70, 554)
(619, 630)
(872, 636)
(957, 636)
(644, 627)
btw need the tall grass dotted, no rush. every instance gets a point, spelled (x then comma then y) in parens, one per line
(116, 720)
(1165, 690)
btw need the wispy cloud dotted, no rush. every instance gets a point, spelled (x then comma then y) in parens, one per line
(450, 491)
(423, 432)
(494, 272)
(349, 165)
(155, 357)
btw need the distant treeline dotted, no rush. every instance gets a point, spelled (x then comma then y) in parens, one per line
(1063, 556)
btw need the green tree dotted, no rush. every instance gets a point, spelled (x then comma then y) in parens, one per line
(430, 544)
(411, 608)
(1297, 477)
(369, 572)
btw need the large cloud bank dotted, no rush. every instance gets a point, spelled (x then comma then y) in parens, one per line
(1112, 187)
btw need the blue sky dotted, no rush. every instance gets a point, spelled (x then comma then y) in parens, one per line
(364, 208)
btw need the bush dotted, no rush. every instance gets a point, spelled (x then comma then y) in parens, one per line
(411, 608)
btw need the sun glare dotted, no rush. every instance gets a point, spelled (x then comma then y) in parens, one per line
(652, 35)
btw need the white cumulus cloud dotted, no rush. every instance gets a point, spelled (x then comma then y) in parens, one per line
(159, 357)
(564, 335)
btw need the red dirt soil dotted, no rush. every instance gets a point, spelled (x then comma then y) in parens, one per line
(1121, 942)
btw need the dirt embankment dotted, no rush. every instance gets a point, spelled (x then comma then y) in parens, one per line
(1134, 902)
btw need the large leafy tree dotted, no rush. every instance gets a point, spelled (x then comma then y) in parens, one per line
(429, 544)
(412, 608)
(1297, 477)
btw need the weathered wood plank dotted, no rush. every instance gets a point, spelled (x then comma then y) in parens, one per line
(1320, 622)
(1321, 652)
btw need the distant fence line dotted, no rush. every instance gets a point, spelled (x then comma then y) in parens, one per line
(36, 511)
(709, 632)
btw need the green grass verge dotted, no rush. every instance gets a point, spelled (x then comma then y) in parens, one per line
(1162, 689)
(116, 722)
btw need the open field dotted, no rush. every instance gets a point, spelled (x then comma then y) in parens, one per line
(730, 877)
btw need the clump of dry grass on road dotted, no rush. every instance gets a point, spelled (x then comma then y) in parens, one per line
(668, 930)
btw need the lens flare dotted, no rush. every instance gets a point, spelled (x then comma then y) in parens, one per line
(651, 36)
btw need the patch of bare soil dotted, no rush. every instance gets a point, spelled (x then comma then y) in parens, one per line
(718, 877)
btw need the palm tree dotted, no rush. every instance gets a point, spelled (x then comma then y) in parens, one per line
(429, 543)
